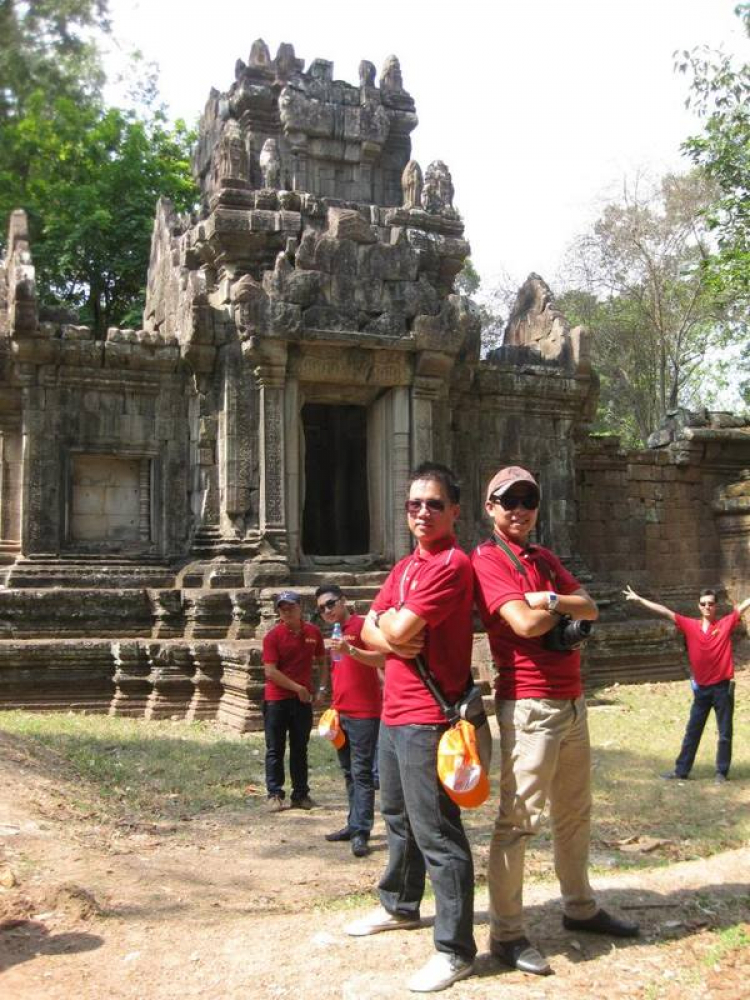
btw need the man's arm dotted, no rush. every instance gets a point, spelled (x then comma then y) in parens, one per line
(377, 638)
(579, 605)
(281, 680)
(322, 672)
(530, 618)
(369, 657)
(742, 608)
(658, 609)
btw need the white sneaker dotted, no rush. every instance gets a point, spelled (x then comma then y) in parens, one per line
(441, 971)
(381, 920)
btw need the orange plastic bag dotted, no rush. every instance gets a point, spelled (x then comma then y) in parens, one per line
(459, 768)
(329, 728)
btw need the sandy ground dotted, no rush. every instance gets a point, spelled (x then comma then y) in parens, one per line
(245, 904)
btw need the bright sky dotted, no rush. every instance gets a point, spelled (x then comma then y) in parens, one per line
(539, 107)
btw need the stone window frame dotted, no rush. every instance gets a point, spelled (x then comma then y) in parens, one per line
(149, 478)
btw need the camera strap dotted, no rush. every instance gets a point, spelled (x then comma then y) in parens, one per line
(504, 547)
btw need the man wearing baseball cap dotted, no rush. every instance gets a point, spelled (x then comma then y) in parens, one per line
(523, 593)
(290, 651)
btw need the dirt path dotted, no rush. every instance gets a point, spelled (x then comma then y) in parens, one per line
(245, 905)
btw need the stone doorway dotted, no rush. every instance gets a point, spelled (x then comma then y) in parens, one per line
(336, 516)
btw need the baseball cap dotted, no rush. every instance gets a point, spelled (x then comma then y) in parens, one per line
(502, 481)
(288, 597)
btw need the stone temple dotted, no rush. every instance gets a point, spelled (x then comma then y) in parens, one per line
(303, 347)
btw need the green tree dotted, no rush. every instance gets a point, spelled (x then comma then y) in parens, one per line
(641, 290)
(88, 176)
(720, 94)
(49, 46)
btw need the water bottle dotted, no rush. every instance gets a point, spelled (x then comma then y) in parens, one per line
(335, 634)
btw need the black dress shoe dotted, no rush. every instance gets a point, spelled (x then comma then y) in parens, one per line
(521, 954)
(360, 847)
(673, 776)
(339, 835)
(602, 923)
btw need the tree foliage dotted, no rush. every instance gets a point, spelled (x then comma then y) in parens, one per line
(88, 176)
(720, 94)
(640, 288)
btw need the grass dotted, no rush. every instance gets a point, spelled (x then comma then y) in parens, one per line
(728, 941)
(151, 771)
(144, 772)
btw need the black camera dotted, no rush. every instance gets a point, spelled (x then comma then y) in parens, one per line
(567, 635)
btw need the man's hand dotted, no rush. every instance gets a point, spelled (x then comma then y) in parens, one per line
(538, 599)
(408, 650)
(629, 594)
(340, 646)
(304, 695)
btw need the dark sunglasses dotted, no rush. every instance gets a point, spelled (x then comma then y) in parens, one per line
(707, 604)
(414, 506)
(327, 605)
(529, 500)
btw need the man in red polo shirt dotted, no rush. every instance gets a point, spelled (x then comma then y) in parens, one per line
(357, 699)
(290, 651)
(522, 591)
(424, 605)
(709, 649)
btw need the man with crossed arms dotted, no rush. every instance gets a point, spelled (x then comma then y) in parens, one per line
(521, 591)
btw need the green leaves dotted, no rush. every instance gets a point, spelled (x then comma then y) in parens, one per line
(89, 176)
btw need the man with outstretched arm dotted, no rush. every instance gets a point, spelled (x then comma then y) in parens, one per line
(424, 605)
(523, 591)
(357, 698)
(709, 649)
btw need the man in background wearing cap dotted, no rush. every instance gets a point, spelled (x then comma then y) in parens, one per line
(424, 605)
(290, 651)
(522, 591)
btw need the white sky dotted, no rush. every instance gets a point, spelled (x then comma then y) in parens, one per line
(539, 107)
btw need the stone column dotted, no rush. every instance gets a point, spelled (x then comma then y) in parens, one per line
(292, 491)
(401, 465)
(270, 376)
(424, 392)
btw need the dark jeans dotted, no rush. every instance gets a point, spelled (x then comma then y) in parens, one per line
(356, 757)
(720, 697)
(279, 718)
(425, 834)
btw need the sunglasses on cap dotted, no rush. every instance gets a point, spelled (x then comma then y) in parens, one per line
(414, 506)
(529, 500)
(328, 605)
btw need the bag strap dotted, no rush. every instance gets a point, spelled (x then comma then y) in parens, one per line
(430, 682)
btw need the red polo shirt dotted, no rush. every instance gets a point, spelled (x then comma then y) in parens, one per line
(436, 587)
(292, 653)
(356, 686)
(525, 669)
(709, 652)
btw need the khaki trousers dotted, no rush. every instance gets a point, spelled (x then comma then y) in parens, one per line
(545, 754)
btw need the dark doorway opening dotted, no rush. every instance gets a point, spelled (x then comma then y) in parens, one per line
(336, 518)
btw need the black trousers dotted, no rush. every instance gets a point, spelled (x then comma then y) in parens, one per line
(295, 718)
(720, 698)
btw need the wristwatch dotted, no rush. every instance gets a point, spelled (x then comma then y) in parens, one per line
(552, 600)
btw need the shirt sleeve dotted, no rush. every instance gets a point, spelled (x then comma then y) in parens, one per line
(441, 582)
(681, 623)
(270, 649)
(384, 599)
(495, 579)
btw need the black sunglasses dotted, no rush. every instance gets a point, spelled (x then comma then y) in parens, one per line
(327, 605)
(529, 500)
(414, 506)
(707, 604)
